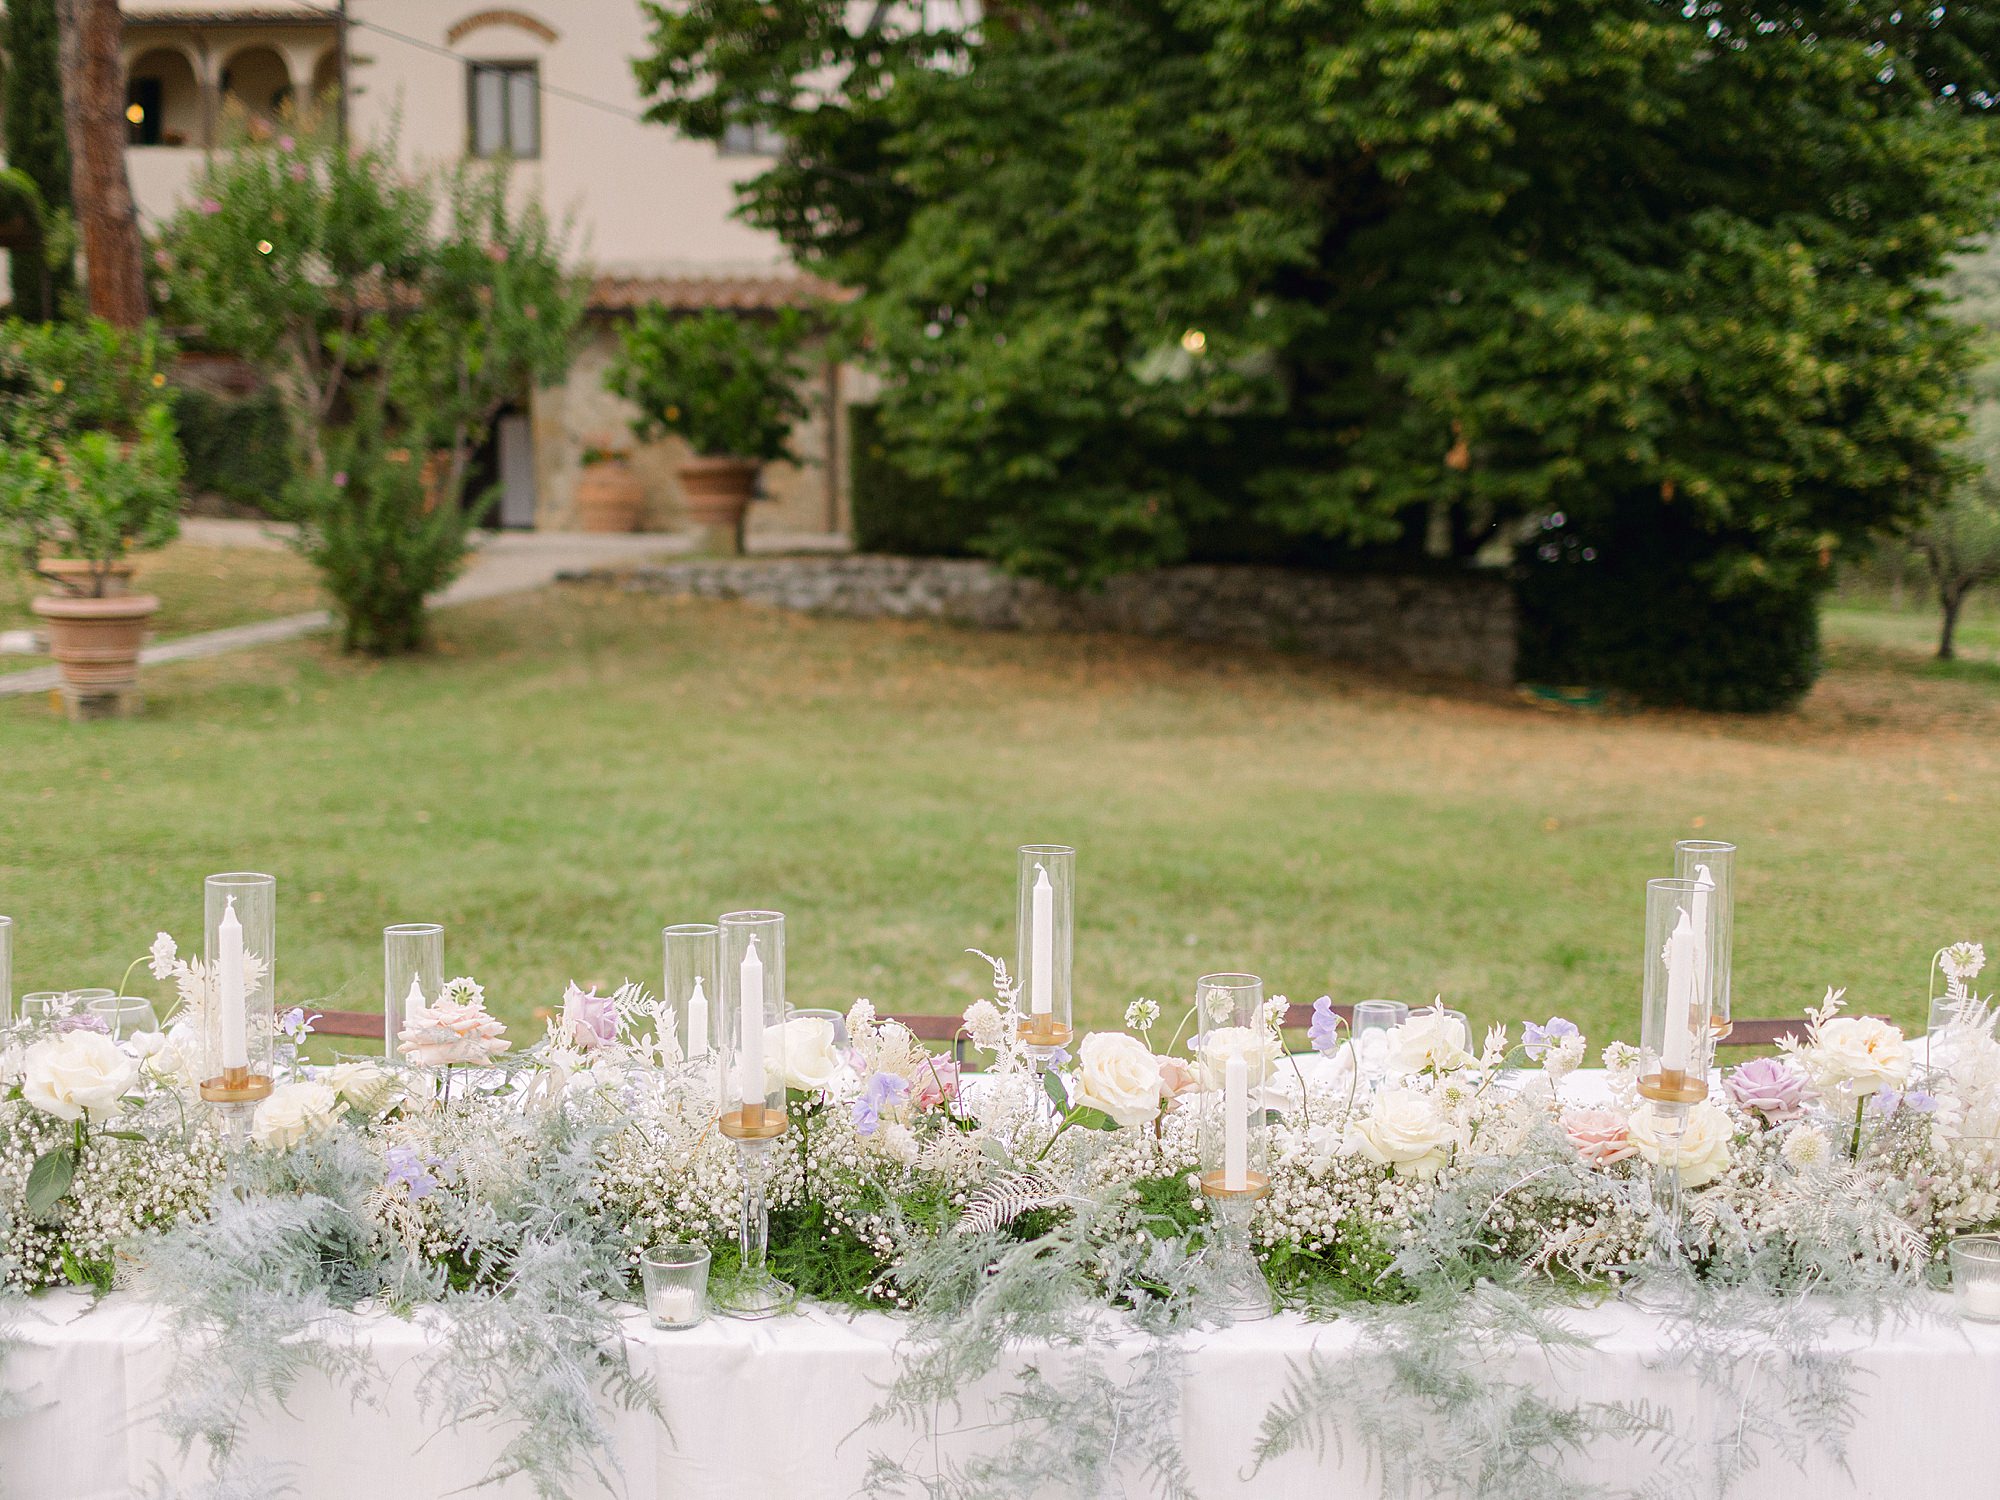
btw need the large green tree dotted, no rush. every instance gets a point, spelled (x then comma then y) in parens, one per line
(33, 116)
(1389, 275)
(31, 124)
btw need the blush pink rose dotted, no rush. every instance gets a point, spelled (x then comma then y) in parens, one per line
(1176, 1077)
(1599, 1135)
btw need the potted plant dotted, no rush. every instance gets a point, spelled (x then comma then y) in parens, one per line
(726, 384)
(609, 496)
(90, 473)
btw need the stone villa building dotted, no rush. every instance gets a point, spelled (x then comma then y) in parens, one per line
(548, 85)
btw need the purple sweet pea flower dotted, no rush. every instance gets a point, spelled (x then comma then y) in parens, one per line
(882, 1091)
(1324, 1032)
(1886, 1102)
(82, 1023)
(1536, 1040)
(1768, 1087)
(294, 1025)
(407, 1167)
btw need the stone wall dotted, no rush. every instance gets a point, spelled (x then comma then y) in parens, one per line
(1454, 626)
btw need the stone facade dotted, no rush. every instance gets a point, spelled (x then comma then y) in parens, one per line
(1446, 626)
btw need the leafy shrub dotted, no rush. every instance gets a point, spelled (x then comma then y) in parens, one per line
(381, 535)
(1638, 606)
(727, 384)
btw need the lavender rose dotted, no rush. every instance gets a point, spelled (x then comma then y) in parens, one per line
(1766, 1086)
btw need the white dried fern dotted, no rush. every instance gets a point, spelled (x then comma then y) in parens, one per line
(1004, 1199)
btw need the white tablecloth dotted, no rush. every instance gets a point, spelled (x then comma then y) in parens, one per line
(771, 1410)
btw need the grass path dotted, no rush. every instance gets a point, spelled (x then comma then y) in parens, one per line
(574, 768)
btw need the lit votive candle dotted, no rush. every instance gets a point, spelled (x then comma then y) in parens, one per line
(1981, 1300)
(675, 1307)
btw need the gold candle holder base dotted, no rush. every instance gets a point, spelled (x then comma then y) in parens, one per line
(753, 1122)
(236, 1086)
(1256, 1185)
(1674, 1087)
(1046, 1031)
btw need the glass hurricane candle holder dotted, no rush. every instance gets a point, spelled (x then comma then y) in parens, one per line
(123, 1015)
(1674, 1036)
(693, 962)
(1372, 1023)
(1044, 918)
(1975, 1277)
(1713, 863)
(239, 1015)
(6, 970)
(1234, 1050)
(412, 975)
(676, 1283)
(749, 1042)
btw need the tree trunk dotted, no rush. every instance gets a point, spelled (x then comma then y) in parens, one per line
(1951, 599)
(94, 117)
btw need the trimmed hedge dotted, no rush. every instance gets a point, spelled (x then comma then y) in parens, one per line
(1631, 610)
(236, 446)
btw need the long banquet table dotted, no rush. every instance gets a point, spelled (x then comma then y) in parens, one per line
(778, 1409)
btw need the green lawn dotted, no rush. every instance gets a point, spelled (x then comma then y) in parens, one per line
(573, 769)
(199, 588)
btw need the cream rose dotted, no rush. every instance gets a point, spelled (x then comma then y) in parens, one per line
(1256, 1045)
(1432, 1040)
(1118, 1074)
(293, 1113)
(812, 1062)
(77, 1073)
(1857, 1053)
(1404, 1130)
(1704, 1143)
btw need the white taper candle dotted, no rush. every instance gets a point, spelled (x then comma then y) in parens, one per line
(697, 1037)
(229, 997)
(1235, 1125)
(750, 1041)
(1042, 947)
(1682, 963)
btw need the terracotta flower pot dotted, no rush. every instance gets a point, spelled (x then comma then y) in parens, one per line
(717, 492)
(609, 496)
(96, 644)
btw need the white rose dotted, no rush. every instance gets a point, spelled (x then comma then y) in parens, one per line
(811, 1060)
(293, 1113)
(1406, 1130)
(366, 1086)
(77, 1073)
(1704, 1143)
(1118, 1074)
(1429, 1039)
(171, 1056)
(1259, 1048)
(1859, 1053)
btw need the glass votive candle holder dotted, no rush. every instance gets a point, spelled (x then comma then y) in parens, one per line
(676, 1281)
(1975, 1277)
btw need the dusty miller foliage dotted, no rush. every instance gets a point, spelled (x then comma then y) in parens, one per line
(1100, 1409)
(1425, 1394)
(254, 1297)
